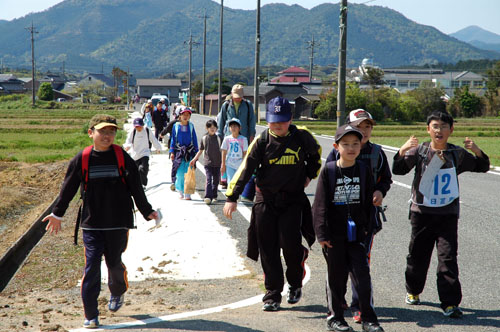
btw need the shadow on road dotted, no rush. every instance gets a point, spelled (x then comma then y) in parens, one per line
(434, 317)
(187, 325)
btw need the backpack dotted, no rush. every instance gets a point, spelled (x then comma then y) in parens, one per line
(374, 159)
(85, 178)
(177, 126)
(147, 131)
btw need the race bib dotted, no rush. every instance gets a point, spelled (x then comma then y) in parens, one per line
(444, 188)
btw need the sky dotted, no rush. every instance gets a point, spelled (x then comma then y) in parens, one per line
(448, 16)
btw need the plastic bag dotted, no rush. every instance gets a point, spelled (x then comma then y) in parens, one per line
(189, 181)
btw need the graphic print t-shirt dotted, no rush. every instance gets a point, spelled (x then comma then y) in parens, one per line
(235, 148)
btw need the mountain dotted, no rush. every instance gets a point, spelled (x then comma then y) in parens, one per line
(148, 36)
(478, 37)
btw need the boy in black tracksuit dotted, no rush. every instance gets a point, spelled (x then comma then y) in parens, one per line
(285, 162)
(434, 209)
(342, 218)
(106, 215)
(374, 157)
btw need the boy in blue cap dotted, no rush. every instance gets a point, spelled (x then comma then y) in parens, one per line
(286, 158)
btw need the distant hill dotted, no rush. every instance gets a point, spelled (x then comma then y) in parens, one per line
(478, 37)
(148, 36)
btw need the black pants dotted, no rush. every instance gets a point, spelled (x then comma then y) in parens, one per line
(342, 258)
(279, 227)
(427, 231)
(111, 244)
(143, 166)
(212, 181)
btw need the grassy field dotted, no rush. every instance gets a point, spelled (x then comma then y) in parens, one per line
(47, 134)
(484, 131)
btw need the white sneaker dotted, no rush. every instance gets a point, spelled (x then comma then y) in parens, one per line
(207, 201)
(214, 200)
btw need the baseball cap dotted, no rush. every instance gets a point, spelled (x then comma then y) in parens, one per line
(237, 91)
(99, 121)
(278, 110)
(138, 122)
(348, 128)
(357, 116)
(184, 110)
(234, 120)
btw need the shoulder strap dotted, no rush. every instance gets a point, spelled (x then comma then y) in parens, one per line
(248, 114)
(133, 136)
(149, 141)
(331, 167)
(121, 161)
(374, 159)
(85, 165)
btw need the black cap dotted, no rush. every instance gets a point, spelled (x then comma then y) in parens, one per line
(347, 129)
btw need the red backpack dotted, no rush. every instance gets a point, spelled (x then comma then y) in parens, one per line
(85, 177)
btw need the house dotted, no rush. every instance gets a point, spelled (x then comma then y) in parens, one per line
(10, 84)
(56, 81)
(91, 79)
(305, 105)
(28, 83)
(169, 87)
(292, 75)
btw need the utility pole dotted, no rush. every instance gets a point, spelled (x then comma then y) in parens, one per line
(128, 99)
(219, 94)
(202, 108)
(64, 64)
(342, 64)
(256, 72)
(32, 30)
(190, 43)
(311, 43)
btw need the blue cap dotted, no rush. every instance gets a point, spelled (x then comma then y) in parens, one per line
(278, 110)
(234, 120)
(138, 122)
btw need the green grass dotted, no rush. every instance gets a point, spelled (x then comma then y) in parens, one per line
(36, 135)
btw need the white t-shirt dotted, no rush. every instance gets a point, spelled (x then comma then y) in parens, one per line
(235, 148)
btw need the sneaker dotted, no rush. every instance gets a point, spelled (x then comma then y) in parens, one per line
(91, 323)
(187, 197)
(207, 201)
(356, 316)
(172, 187)
(115, 302)
(223, 185)
(294, 295)
(214, 200)
(372, 327)
(337, 325)
(181, 195)
(412, 299)
(453, 311)
(271, 306)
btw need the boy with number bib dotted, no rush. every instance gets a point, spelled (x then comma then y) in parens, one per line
(434, 209)
(342, 218)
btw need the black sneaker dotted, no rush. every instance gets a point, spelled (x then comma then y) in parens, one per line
(337, 325)
(372, 327)
(294, 295)
(271, 306)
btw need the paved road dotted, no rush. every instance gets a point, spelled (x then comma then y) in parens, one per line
(478, 247)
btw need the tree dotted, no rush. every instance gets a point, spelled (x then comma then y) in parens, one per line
(374, 76)
(429, 98)
(45, 92)
(470, 103)
(117, 75)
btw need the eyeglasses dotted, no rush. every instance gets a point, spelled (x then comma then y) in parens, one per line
(440, 127)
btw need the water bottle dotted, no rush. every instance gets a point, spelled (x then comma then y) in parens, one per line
(351, 230)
